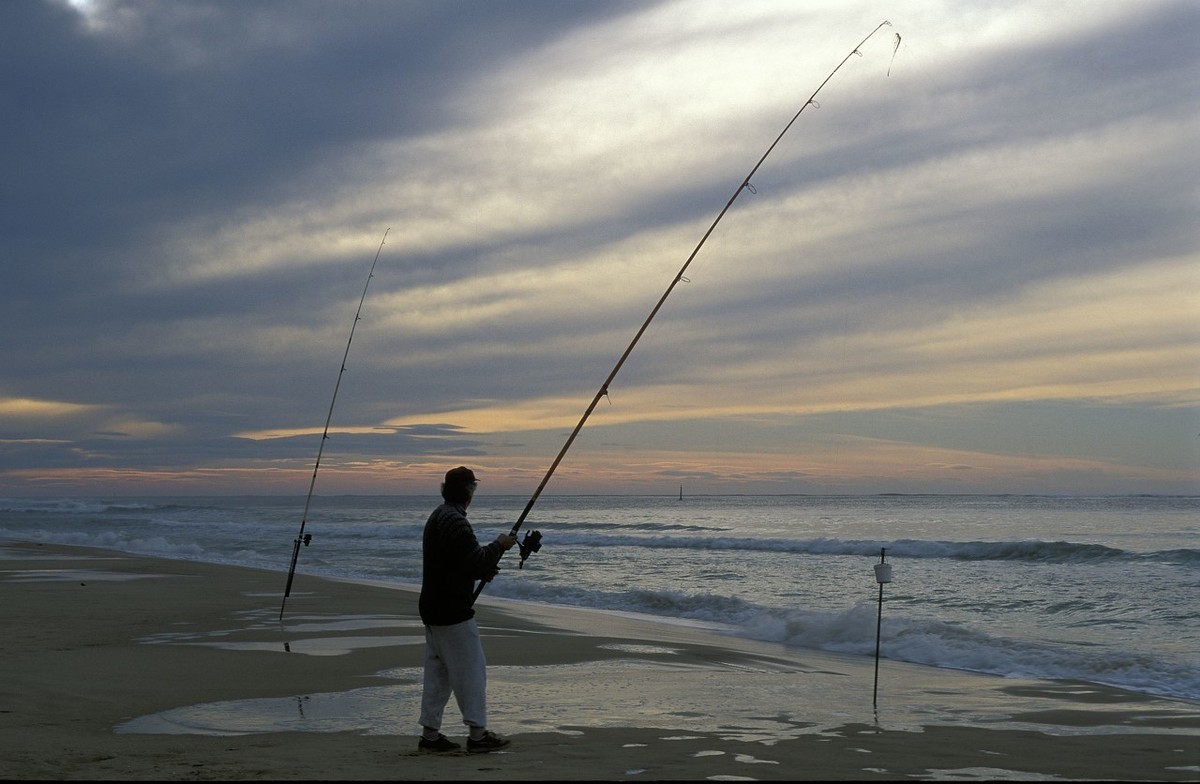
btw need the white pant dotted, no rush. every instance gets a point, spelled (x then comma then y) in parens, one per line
(454, 663)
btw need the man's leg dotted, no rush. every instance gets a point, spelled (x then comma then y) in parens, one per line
(437, 686)
(466, 670)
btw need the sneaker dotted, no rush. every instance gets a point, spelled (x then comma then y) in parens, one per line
(441, 744)
(489, 742)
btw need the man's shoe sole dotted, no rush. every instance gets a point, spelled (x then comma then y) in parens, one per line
(432, 747)
(481, 749)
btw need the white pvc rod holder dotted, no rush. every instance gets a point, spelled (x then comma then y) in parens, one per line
(883, 574)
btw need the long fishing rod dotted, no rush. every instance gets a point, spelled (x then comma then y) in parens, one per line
(301, 537)
(532, 542)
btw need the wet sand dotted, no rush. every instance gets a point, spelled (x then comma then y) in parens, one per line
(125, 667)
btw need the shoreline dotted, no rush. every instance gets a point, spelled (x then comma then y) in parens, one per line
(128, 667)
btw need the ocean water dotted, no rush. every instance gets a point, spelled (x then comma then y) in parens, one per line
(1097, 589)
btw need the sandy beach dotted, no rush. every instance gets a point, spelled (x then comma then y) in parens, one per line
(124, 667)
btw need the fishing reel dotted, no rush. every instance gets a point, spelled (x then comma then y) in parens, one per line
(529, 545)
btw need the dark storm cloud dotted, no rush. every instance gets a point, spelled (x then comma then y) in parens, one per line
(178, 107)
(174, 111)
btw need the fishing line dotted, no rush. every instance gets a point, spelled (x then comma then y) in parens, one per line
(301, 537)
(532, 541)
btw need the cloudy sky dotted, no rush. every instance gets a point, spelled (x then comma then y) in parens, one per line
(972, 266)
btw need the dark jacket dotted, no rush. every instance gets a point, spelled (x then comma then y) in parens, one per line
(452, 561)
